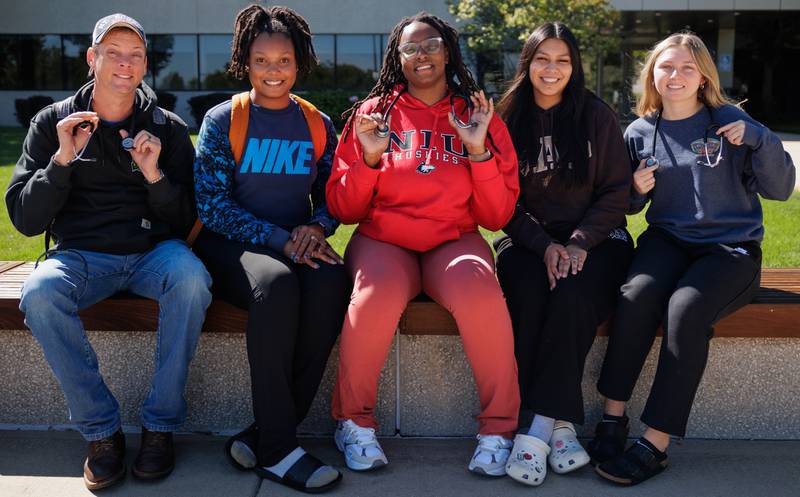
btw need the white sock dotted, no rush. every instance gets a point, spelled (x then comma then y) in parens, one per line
(287, 462)
(322, 476)
(542, 428)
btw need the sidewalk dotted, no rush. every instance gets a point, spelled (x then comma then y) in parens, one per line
(791, 143)
(48, 464)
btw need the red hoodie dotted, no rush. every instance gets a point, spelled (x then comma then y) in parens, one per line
(426, 191)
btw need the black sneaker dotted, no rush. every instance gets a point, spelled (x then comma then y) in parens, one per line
(635, 465)
(609, 440)
(105, 462)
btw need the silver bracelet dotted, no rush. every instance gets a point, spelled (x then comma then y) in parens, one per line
(160, 177)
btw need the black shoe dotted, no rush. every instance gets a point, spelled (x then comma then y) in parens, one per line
(240, 449)
(609, 440)
(105, 462)
(635, 465)
(156, 458)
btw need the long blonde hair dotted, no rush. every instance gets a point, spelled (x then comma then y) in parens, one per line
(710, 93)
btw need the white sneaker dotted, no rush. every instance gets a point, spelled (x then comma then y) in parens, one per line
(361, 449)
(566, 453)
(491, 455)
(528, 461)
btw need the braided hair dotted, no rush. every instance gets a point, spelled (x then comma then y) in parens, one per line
(254, 20)
(459, 78)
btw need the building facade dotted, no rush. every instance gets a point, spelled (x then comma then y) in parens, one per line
(756, 44)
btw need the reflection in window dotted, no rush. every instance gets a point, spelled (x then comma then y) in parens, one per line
(173, 61)
(76, 70)
(32, 61)
(215, 52)
(322, 76)
(356, 61)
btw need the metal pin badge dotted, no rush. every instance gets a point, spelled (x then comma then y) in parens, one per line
(127, 144)
(651, 161)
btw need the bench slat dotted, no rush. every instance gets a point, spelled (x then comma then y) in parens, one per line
(775, 311)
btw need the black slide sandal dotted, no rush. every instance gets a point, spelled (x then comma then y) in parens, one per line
(249, 439)
(298, 475)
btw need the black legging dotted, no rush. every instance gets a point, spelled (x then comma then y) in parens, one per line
(554, 330)
(295, 314)
(685, 288)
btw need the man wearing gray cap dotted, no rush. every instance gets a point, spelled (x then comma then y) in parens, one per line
(108, 174)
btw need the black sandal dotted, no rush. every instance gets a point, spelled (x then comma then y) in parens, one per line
(242, 455)
(608, 442)
(635, 465)
(297, 476)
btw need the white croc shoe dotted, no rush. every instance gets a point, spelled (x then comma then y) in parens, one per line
(566, 453)
(528, 461)
(491, 455)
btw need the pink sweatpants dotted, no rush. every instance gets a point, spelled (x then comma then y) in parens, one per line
(459, 275)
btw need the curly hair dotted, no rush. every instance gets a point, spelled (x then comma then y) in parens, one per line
(459, 77)
(254, 20)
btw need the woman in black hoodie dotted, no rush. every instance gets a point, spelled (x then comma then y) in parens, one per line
(567, 250)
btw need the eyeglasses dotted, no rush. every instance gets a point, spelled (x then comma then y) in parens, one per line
(430, 46)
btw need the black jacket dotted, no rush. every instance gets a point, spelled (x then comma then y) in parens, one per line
(104, 206)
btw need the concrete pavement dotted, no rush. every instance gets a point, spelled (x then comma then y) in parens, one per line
(48, 464)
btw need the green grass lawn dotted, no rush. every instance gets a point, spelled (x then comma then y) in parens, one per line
(781, 245)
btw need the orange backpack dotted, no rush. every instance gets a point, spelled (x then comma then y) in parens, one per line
(237, 135)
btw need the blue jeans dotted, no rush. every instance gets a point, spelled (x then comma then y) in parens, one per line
(72, 280)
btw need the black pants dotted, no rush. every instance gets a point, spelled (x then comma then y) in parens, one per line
(685, 288)
(295, 316)
(554, 330)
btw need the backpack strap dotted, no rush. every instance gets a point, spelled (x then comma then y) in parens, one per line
(240, 117)
(319, 136)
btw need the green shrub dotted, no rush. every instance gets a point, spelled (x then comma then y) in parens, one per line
(28, 107)
(201, 103)
(166, 100)
(333, 102)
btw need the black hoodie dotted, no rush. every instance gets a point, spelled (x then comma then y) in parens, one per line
(106, 205)
(547, 210)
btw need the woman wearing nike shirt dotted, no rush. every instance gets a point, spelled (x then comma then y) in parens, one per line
(567, 251)
(264, 242)
(419, 191)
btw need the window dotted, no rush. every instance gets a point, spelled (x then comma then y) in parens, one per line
(76, 70)
(357, 61)
(324, 75)
(215, 53)
(172, 59)
(33, 62)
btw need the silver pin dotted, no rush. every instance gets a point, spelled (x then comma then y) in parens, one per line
(127, 144)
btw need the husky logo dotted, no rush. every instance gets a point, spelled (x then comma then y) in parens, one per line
(424, 168)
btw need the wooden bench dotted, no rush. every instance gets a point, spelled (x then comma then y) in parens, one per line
(775, 312)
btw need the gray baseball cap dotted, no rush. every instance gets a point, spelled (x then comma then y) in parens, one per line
(106, 24)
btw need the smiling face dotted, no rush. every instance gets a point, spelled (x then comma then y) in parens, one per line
(676, 76)
(423, 70)
(550, 71)
(272, 69)
(118, 63)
